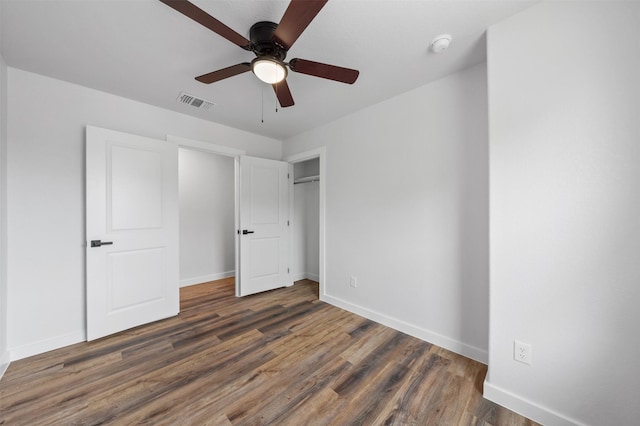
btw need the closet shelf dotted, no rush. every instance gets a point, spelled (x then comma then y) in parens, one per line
(306, 179)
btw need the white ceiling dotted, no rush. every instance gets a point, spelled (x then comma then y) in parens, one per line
(146, 51)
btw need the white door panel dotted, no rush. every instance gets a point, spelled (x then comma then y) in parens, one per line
(137, 176)
(132, 205)
(264, 225)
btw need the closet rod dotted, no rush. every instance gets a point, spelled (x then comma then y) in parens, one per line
(307, 179)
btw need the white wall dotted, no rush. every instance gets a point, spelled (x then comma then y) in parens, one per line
(45, 196)
(564, 98)
(407, 211)
(4, 351)
(207, 207)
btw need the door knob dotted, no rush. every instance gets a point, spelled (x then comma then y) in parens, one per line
(98, 243)
(245, 232)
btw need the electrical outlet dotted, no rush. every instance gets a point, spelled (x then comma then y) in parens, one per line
(522, 352)
(353, 282)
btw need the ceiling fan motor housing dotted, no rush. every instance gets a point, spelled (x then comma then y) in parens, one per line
(261, 35)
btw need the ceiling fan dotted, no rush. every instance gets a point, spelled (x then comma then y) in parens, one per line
(270, 43)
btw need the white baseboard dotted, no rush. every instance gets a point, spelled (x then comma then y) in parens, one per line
(4, 364)
(3, 369)
(206, 278)
(453, 345)
(46, 345)
(525, 407)
(306, 276)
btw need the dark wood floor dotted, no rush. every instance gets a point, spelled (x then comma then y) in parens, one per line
(280, 357)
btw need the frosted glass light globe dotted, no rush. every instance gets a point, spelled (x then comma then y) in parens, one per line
(269, 70)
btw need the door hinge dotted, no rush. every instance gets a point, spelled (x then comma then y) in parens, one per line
(287, 175)
(288, 223)
(287, 270)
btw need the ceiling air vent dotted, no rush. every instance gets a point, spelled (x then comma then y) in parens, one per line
(185, 98)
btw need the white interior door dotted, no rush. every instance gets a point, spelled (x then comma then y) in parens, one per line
(132, 231)
(264, 226)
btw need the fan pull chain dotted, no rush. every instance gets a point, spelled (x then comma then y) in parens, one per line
(262, 102)
(275, 71)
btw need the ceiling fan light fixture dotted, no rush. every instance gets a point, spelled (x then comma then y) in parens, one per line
(268, 69)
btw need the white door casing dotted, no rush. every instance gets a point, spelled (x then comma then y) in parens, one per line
(132, 202)
(264, 231)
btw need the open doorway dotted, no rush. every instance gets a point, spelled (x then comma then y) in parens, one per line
(308, 213)
(207, 208)
(208, 176)
(306, 220)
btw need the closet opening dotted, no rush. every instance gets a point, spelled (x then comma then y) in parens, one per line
(308, 213)
(306, 220)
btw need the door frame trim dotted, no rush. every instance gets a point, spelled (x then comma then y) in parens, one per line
(321, 154)
(235, 153)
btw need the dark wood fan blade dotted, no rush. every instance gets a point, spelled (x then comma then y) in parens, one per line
(296, 18)
(214, 76)
(200, 16)
(283, 94)
(318, 69)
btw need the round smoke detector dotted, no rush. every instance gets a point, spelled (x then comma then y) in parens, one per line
(440, 43)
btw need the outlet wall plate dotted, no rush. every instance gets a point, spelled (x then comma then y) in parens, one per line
(522, 352)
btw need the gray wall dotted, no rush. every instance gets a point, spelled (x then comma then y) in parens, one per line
(565, 211)
(407, 211)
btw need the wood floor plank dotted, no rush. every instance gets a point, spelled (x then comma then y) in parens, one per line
(252, 386)
(174, 382)
(276, 358)
(290, 376)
